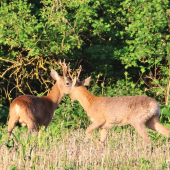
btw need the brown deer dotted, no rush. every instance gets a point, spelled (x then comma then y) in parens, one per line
(106, 112)
(36, 111)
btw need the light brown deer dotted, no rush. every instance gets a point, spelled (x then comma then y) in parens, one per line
(106, 112)
(36, 111)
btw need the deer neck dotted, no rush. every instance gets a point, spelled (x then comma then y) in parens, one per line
(55, 96)
(84, 97)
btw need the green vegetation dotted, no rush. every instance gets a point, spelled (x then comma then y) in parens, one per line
(123, 45)
(113, 41)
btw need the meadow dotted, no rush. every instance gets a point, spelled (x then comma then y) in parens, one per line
(70, 149)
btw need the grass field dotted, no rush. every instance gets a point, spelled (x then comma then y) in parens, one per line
(59, 148)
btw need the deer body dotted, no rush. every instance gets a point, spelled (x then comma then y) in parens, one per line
(36, 111)
(106, 112)
(117, 110)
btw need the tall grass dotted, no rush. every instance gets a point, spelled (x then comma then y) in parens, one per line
(59, 148)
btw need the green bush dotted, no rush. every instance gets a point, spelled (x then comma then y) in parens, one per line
(165, 116)
(123, 45)
(4, 112)
(70, 115)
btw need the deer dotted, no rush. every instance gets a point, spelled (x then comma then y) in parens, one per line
(107, 112)
(35, 111)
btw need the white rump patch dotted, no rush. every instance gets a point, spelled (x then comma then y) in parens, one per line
(17, 109)
(154, 107)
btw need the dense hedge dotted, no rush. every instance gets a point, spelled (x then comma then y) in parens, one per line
(124, 45)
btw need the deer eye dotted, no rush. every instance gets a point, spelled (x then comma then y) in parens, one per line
(67, 83)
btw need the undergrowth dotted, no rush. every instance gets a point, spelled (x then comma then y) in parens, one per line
(63, 148)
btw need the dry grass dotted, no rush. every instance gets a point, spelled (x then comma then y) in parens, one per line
(72, 149)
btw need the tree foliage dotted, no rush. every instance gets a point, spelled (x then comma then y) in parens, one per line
(124, 45)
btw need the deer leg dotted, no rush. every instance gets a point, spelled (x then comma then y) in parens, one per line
(36, 127)
(154, 124)
(30, 126)
(12, 121)
(103, 135)
(93, 126)
(140, 128)
(30, 123)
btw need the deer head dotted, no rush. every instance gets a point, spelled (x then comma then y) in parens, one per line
(63, 82)
(76, 84)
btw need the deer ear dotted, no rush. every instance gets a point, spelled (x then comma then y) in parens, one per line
(54, 74)
(74, 81)
(86, 82)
